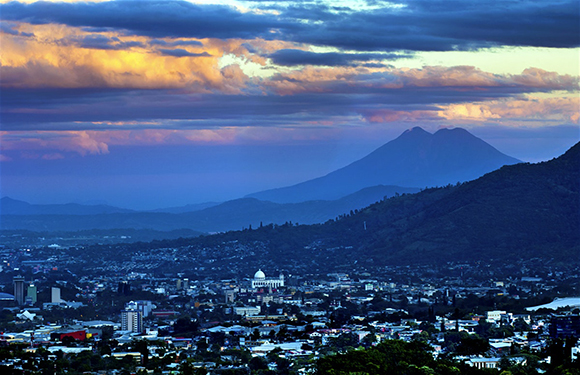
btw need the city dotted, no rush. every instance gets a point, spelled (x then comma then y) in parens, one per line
(135, 315)
(298, 187)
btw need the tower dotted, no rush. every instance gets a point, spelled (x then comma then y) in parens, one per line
(31, 294)
(19, 289)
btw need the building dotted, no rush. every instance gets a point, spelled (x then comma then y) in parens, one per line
(7, 300)
(19, 289)
(260, 281)
(482, 363)
(562, 326)
(496, 316)
(247, 310)
(31, 294)
(230, 295)
(55, 295)
(145, 307)
(132, 320)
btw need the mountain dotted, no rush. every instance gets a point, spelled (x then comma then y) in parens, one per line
(231, 215)
(517, 214)
(9, 206)
(186, 208)
(416, 158)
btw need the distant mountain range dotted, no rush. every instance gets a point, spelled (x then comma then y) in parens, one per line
(231, 215)
(416, 158)
(519, 212)
(9, 206)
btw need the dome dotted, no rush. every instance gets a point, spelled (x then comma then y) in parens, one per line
(259, 275)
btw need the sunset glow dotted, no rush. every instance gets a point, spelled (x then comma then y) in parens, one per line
(87, 81)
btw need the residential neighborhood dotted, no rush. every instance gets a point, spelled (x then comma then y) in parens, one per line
(128, 320)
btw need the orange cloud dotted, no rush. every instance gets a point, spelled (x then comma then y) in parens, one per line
(60, 56)
(562, 109)
(317, 79)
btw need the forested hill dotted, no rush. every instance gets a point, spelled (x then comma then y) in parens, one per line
(524, 210)
(517, 212)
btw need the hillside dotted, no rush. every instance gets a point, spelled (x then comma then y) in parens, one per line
(519, 212)
(231, 215)
(416, 158)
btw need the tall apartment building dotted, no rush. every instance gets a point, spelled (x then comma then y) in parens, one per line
(132, 320)
(19, 289)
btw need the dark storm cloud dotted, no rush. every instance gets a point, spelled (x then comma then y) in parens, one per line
(419, 25)
(291, 57)
(149, 18)
(449, 25)
(179, 52)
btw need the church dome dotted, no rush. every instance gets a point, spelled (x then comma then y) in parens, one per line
(259, 275)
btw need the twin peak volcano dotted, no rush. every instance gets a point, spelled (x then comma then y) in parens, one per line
(416, 158)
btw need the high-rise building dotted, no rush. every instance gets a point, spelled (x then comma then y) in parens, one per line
(55, 295)
(124, 288)
(132, 320)
(19, 289)
(31, 294)
(145, 307)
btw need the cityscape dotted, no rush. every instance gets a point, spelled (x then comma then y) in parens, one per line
(136, 315)
(300, 187)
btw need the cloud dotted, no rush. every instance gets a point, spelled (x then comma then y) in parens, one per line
(411, 26)
(289, 99)
(387, 115)
(292, 57)
(444, 26)
(179, 52)
(80, 142)
(157, 19)
(175, 43)
(565, 109)
(9, 28)
(61, 56)
(467, 81)
(102, 42)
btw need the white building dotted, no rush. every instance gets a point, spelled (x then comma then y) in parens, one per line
(260, 281)
(132, 320)
(496, 316)
(145, 307)
(482, 363)
(247, 310)
(55, 295)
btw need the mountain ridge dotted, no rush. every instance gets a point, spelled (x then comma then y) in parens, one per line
(231, 215)
(416, 158)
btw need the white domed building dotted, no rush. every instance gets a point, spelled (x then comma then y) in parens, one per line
(260, 281)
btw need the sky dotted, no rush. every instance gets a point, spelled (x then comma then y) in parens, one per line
(149, 104)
